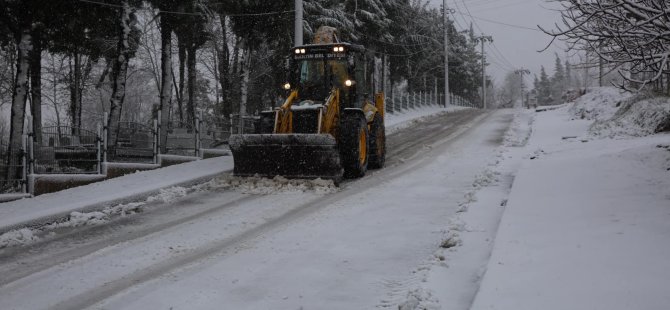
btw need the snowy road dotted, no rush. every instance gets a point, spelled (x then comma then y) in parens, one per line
(355, 248)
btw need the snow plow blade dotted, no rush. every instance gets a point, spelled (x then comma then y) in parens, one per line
(297, 156)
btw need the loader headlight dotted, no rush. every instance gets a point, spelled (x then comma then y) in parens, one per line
(287, 86)
(338, 49)
(348, 83)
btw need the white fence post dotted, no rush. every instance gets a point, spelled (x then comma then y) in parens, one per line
(155, 142)
(158, 132)
(99, 149)
(24, 175)
(198, 141)
(105, 128)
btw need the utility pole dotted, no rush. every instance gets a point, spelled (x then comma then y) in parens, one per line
(483, 39)
(298, 23)
(445, 10)
(521, 72)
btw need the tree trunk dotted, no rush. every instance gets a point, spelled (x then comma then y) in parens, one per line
(36, 87)
(245, 64)
(235, 71)
(19, 97)
(182, 64)
(119, 72)
(191, 104)
(224, 69)
(75, 93)
(166, 80)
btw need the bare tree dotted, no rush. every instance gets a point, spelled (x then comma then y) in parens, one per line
(7, 60)
(632, 35)
(119, 72)
(54, 89)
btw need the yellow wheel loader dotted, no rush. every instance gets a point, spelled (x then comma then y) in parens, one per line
(328, 127)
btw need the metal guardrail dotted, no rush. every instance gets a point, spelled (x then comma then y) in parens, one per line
(66, 150)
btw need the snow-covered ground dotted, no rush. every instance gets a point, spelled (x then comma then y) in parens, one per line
(138, 187)
(584, 225)
(562, 209)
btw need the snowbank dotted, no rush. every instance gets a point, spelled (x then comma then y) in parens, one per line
(636, 118)
(276, 185)
(599, 103)
(450, 278)
(620, 114)
(47, 208)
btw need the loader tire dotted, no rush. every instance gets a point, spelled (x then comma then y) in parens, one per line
(354, 145)
(377, 143)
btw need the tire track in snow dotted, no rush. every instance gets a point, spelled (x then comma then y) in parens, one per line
(31, 265)
(404, 147)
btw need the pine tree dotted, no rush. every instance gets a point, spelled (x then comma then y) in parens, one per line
(569, 80)
(544, 95)
(558, 81)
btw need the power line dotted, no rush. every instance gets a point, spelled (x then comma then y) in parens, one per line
(495, 47)
(496, 22)
(502, 57)
(481, 9)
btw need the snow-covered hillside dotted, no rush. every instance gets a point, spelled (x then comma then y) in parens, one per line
(620, 114)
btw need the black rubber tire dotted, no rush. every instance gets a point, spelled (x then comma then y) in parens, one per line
(353, 126)
(377, 143)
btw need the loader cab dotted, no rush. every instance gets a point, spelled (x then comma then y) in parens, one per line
(316, 69)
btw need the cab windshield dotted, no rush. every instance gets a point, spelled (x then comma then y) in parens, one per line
(318, 76)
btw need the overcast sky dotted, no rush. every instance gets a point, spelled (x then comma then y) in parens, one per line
(516, 46)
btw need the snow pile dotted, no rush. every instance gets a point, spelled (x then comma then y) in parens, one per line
(83, 219)
(258, 185)
(619, 114)
(17, 237)
(636, 118)
(519, 131)
(420, 299)
(170, 194)
(486, 178)
(27, 236)
(599, 103)
(126, 209)
(77, 219)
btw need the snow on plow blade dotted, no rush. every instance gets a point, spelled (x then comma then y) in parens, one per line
(303, 156)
